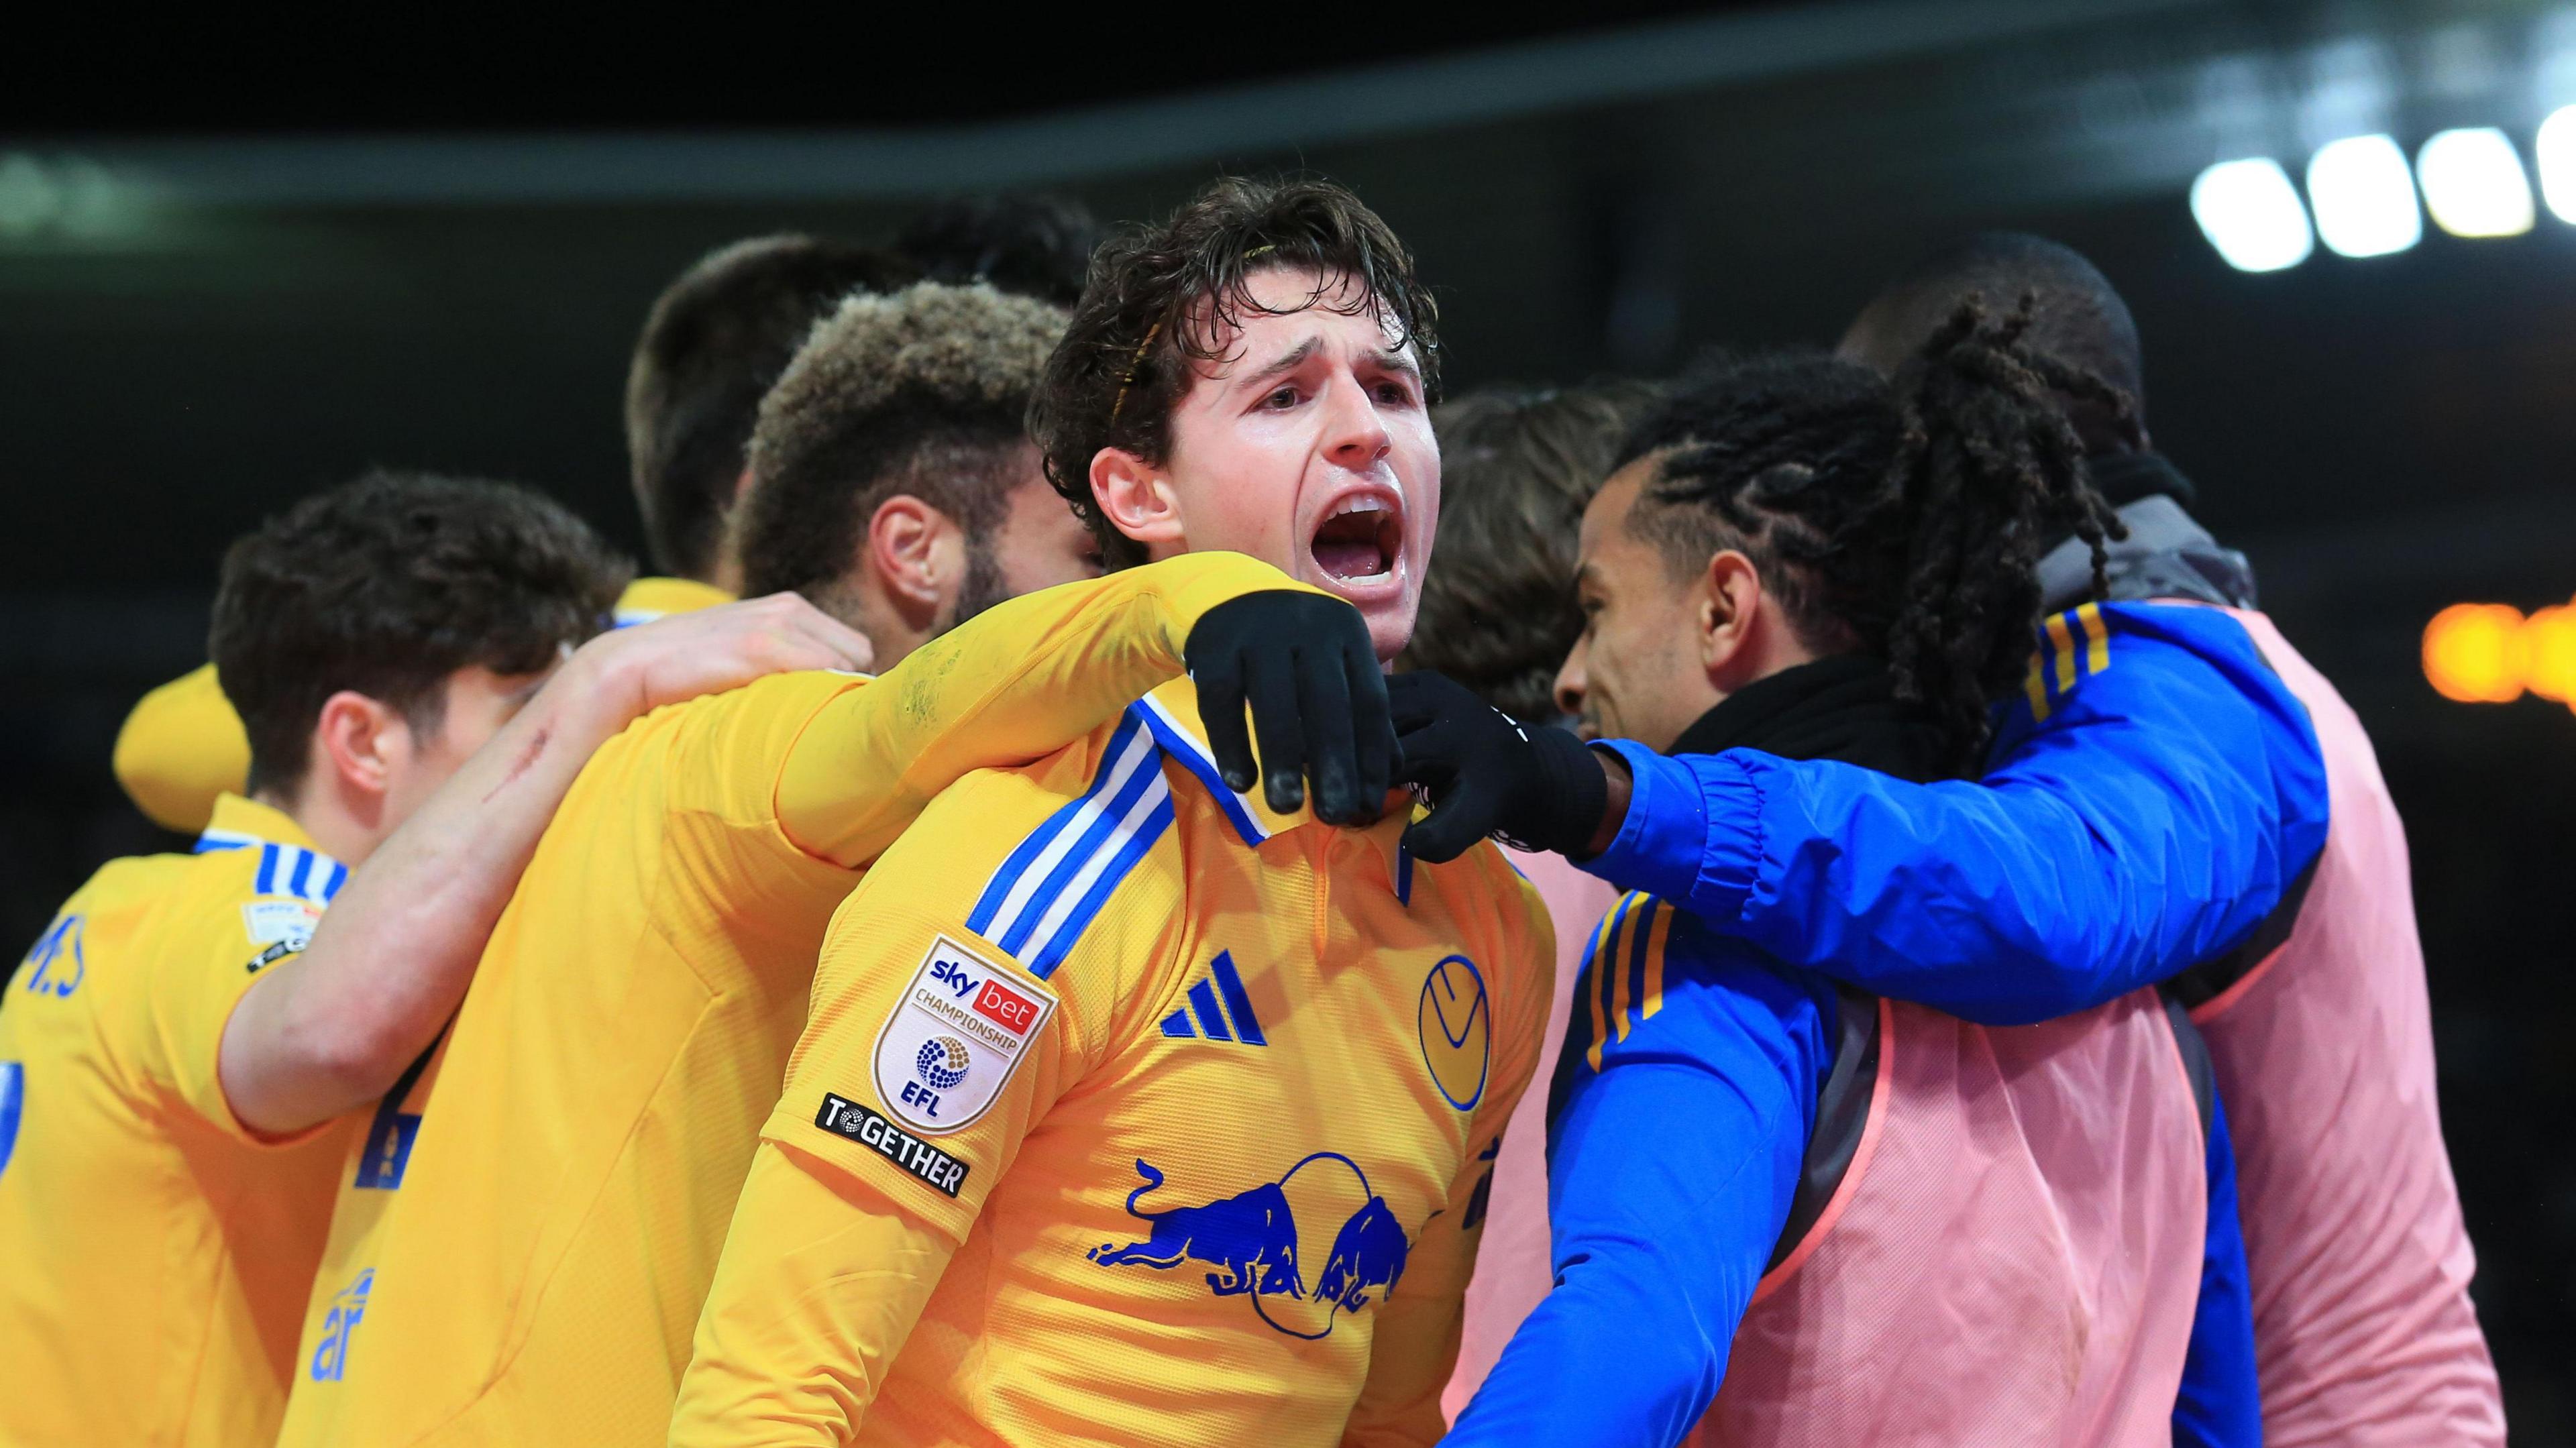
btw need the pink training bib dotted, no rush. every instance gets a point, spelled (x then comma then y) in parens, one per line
(2012, 1257)
(2363, 1328)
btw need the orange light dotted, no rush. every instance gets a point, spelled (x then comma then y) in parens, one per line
(2474, 652)
(2548, 646)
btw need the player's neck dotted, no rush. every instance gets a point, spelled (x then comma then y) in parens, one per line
(347, 830)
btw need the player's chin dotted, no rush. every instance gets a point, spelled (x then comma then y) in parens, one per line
(1390, 625)
(1386, 596)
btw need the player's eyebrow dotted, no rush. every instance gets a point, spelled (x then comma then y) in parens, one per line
(1394, 359)
(1288, 361)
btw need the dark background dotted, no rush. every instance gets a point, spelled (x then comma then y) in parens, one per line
(225, 284)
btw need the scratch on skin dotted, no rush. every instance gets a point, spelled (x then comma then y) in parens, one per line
(527, 759)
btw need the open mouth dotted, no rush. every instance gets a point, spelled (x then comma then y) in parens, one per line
(1361, 539)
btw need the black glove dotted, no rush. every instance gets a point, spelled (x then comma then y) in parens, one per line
(1304, 663)
(1540, 789)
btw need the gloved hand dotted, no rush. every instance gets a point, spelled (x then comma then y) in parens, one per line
(1304, 663)
(1540, 789)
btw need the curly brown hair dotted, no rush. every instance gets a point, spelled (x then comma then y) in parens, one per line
(922, 392)
(1162, 298)
(1902, 516)
(1516, 469)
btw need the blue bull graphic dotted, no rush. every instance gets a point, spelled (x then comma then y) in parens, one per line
(1368, 1252)
(1251, 1239)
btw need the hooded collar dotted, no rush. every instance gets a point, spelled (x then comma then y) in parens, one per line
(2166, 555)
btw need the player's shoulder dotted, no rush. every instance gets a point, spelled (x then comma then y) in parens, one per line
(102, 912)
(127, 882)
(1040, 853)
(240, 894)
(1657, 976)
(2098, 657)
(772, 703)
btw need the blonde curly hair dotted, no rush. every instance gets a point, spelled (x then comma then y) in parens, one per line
(922, 392)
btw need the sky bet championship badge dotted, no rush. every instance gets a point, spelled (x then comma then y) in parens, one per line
(956, 1036)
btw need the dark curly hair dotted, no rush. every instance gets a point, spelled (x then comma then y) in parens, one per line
(1028, 244)
(716, 339)
(1517, 467)
(1161, 298)
(1902, 516)
(388, 585)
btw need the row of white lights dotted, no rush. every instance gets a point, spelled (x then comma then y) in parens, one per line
(2365, 195)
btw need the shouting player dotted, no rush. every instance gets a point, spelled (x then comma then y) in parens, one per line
(179, 1060)
(1133, 1108)
(523, 1257)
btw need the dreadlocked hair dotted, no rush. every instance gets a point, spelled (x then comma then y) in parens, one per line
(1902, 517)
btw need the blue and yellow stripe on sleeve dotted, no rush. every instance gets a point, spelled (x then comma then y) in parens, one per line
(2073, 646)
(1624, 972)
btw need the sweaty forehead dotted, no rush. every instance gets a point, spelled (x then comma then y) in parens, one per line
(1290, 307)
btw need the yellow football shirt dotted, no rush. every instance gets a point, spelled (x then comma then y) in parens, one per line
(183, 745)
(1128, 1112)
(582, 1133)
(154, 1254)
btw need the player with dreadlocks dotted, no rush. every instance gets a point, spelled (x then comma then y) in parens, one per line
(1787, 1211)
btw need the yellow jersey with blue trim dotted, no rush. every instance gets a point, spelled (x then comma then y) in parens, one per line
(182, 745)
(527, 1223)
(1129, 1112)
(154, 1252)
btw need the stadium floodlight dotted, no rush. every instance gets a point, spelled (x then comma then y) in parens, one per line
(2252, 214)
(2474, 183)
(2363, 193)
(2556, 152)
(2473, 652)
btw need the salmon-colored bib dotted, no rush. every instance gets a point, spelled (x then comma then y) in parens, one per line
(2012, 1256)
(2363, 1329)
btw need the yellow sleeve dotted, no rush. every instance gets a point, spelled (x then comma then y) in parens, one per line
(929, 1054)
(1415, 1347)
(1014, 683)
(182, 746)
(204, 953)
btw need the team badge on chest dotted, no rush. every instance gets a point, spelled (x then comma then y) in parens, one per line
(955, 1038)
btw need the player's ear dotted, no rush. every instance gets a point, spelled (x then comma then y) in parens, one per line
(1136, 497)
(1728, 608)
(916, 552)
(357, 743)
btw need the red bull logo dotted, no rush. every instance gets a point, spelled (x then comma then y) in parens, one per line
(1255, 1241)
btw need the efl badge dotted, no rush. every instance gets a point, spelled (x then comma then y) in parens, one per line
(955, 1038)
(280, 922)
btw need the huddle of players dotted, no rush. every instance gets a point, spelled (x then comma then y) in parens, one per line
(1122, 1104)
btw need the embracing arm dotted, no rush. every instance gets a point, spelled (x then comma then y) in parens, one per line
(1027, 677)
(1661, 1234)
(2150, 821)
(331, 1028)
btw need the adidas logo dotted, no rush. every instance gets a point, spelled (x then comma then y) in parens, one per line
(1221, 1008)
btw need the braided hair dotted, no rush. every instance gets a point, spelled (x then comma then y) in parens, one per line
(1902, 517)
